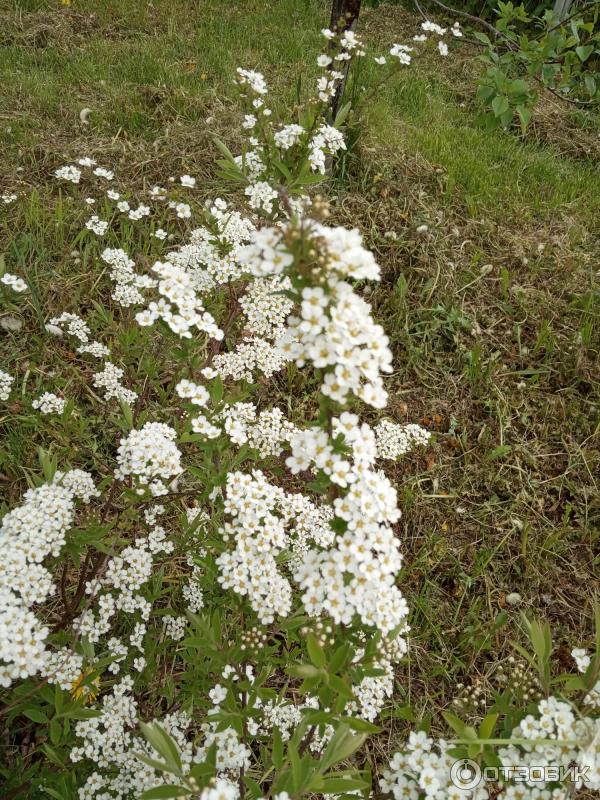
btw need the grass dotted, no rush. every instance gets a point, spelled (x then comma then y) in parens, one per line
(492, 310)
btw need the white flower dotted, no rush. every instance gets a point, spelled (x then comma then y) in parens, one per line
(110, 380)
(402, 53)
(96, 225)
(101, 172)
(14, 282)
(187, 180)
(261, 196)
(443, 48)
(151, 456)
(288, 136)
(6, 382)
(432, 27)
(254, 80)
(324, 60)
(49, 403)
(196, 394)
(69, 173)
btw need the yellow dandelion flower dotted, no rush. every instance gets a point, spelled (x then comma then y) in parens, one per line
(80, 690)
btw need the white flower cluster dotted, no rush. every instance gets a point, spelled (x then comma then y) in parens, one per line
(335, 331)
(334, 328)
(151, 456)
(250, 356)
(266, 431)
(265, 520)
(63, 667)
(108, 742)
(402, 53)
(286, 717)
(77, 328)
(118, 590)
(393, 440)
(128, 284)
(423, 770)
(251, 164)
(253, 80)
(179, 305)
(577, 742)
(372, 692)
(266, 307)
(432, 27)
(109, 379)
(6, 382)
(192, 590)
(97, 225)
(28, 534)
(197, 395)
(288, 136)
(14, 282)
(111, 743)
(68, 173)
(261, 196)
(175, 627)
(49, 403)
(326, 141)
(583, 661)
(357, 574)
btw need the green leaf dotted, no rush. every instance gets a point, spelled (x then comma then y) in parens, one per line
(455, 723)
(341, 745)
(277, 749)
(163, 744)
(168, 790)
(127, 413)
(224, 150)
(157, 765)
(315, 651)
(487, 726)
(303, 671)
(482, 37)
(341, 115)
(341, 785)
(36, 715)
(498, 452)
(590, 84)
(55, 731)
(340, 658)
(524, 115)
(584, 51)
(340, 686)
(358, 724)
(500, 105)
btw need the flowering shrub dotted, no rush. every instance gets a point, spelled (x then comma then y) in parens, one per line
(213, 607)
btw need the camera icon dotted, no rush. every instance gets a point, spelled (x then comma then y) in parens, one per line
(465, 774)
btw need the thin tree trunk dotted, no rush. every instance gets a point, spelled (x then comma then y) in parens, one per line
(344, 16)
